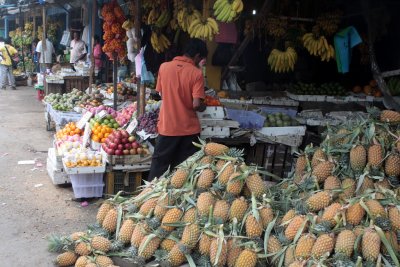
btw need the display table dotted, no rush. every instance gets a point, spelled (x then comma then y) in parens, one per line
(59, 117)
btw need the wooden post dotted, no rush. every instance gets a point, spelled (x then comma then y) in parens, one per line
(92, 65)
(263, 11)
(115, 70)
(141, 89)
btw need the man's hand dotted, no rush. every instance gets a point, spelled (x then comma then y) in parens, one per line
(198, 105)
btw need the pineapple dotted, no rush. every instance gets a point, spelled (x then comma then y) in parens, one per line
(138, 234)
(323, 170)
(176, 256)
(301, 167)
(392, 165)
(375, 156)
(256, 185)
(390, 116)
(323, 245)
(371, 245)
(173, 215)
(178, 179)
(332, 183)
(330, 212)
(375, 209)
(220, 164)
(221, 211)
(204, 202)
(206, 160)
(189, 216)
(354, 214)
(266, 215)
(81, 261)
(289, 256)
(304, 247)
(103, 261)
(82, 249)
(290, 214)
(126, 231)
(205, 179)
(273, 246)
(358, 158)
(225, 173)
(367, 184)
(319, 201)
(148, 206)
(318, 157)
(221, 260)
(167, 244)
(254, 228)
(215, 149)
(91, 264)
(66, 259)
(247, 258)
(349, 189)
(77, 235)
(345, 243)
(297, 264)
(100, 243)
(394, 217)
(233, 252)
(190, 235)
(246, 192)
(342, 140)
(235, 184)
(294, 226)
(204, 244)
(148, 246)
(238, 209)
(110, 221)
(383, 184)
(102, 212)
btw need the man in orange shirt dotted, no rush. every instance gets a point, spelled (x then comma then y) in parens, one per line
(181, 86)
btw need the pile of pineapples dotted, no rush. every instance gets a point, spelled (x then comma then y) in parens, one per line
(337, 208)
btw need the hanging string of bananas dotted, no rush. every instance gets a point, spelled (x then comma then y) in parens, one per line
(329, 22)
(318, 46)
(203, 28)
(282, 61)
(276, 26)
(159, 42)
(227, 10)
(157, 18)
(178, 5)
(186, 16)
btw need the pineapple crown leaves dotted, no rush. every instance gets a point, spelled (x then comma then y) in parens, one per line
(267, 234)
(58, 243)
(388, 245)
(146, 243)
(120, 216)
(221, 240)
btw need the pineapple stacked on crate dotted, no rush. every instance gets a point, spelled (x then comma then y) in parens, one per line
(341, 202)
(212, 210)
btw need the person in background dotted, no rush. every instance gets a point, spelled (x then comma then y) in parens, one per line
(45, 55)
(181, 86)
(98, 63)
(35, 55)
(78, 49)
(6, 71)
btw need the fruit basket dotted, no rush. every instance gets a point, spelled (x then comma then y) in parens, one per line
(125, 159)
(84, 170)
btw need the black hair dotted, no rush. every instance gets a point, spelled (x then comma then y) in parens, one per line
(196, 46)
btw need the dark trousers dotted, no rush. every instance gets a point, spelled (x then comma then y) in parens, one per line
(170, 151)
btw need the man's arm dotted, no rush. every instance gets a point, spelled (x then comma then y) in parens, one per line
(198, 104)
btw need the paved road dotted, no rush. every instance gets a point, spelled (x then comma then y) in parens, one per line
(27, 213)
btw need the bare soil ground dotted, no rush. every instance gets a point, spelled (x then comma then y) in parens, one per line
(29, 214)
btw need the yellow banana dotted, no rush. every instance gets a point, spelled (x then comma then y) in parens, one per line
(239, 9)
(192, 24)
(213, 24)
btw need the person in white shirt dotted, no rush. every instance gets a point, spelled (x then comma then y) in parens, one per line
(45, 55)
(78, 49)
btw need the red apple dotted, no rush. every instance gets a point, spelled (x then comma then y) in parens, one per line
(111, 151)
(128, 146)
(135, 145)
(132, 151)
(120, 147)
(112, 145)
(124, 140)
(125, 134)
(118, 152)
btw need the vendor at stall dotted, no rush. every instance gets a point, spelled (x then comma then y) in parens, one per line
(78, 49)
(45, 54)
(181, 86)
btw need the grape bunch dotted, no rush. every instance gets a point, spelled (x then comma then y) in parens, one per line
(148, 122)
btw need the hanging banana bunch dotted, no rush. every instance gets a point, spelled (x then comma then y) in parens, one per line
(318, 46)
(203, 28)
(186, 16)
(159, 42)
(282, 61)
(227, 10)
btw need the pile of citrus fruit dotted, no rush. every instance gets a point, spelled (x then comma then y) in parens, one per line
(100, 132)
(69, 129)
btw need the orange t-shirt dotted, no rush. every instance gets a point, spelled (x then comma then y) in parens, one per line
(179, 82)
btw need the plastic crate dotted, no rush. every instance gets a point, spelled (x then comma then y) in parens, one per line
(57, 176)
(128, 182)
(87, 185)
(246, 119)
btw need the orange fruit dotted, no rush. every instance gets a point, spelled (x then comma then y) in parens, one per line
(96, 138)
(106, 135)
(100, 135)
(103, 140)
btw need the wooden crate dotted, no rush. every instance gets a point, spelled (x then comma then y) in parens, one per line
(54, 88)
(78, 82)
(128, 182)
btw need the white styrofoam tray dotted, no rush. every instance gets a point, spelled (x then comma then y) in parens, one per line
(279, 131)
(215, 132)
(55, 160)
(212, 113)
